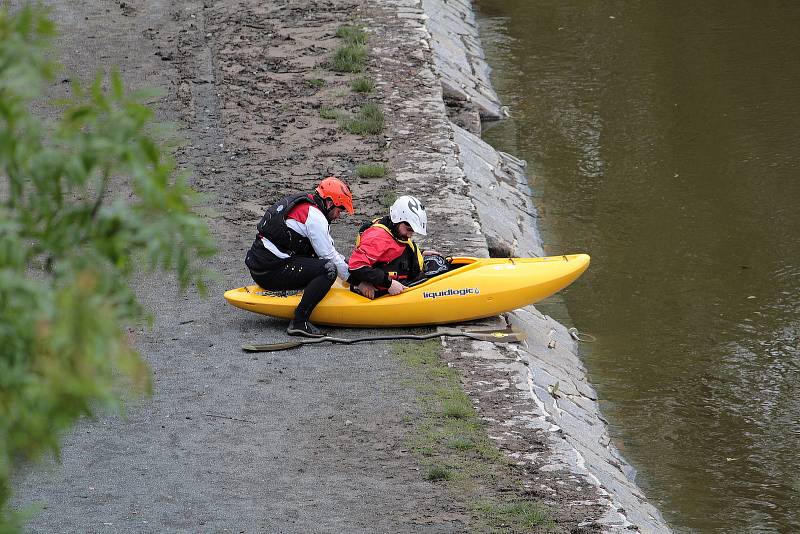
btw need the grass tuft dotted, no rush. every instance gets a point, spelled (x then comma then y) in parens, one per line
(523, 513)
(363, 85)
(427, 451)
(353, 35)
(387, 199)
(329, 113)
(368, 121)
(350, 58)
(371, 171)
(461, 444)
(436, 474)
(458, 409)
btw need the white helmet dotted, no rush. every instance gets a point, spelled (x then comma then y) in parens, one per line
(409, 209)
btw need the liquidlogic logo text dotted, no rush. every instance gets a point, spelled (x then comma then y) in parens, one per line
(451, 292)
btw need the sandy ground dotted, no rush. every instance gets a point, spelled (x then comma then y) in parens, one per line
(303, 441)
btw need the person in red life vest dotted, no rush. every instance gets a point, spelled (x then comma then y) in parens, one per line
(294, 248)
(385, 256)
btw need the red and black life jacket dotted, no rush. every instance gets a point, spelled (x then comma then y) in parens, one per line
(273, 227)
(407, 265)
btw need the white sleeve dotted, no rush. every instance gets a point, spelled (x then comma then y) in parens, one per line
(322, 242)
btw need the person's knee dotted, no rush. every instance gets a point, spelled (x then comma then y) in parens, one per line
(330, 271)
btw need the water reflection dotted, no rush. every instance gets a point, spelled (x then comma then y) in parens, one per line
(663, 140)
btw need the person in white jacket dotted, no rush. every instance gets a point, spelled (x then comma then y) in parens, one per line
(294, 248)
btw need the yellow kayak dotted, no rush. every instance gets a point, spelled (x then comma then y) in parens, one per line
(474, 288)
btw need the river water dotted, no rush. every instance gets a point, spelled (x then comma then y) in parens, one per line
(664, 140)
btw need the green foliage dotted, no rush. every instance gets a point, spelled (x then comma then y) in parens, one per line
(371, 171)
(350, 58)
(353, 35)
(369, 121)
(363, 85)
(83, 201)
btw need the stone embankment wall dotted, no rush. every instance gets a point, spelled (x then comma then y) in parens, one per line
(536, 399)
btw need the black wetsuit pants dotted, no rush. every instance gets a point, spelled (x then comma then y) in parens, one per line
(313, 275)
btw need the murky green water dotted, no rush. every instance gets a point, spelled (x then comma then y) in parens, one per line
(664, 140)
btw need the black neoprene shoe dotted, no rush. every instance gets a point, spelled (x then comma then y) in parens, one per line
(303, 328)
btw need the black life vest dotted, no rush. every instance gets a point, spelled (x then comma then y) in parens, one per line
(407, 265)
(273, 225)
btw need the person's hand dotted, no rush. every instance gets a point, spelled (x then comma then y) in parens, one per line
(396, 288)
(430, 253)
(366, 289)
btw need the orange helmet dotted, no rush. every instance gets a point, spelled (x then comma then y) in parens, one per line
(336, 190)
